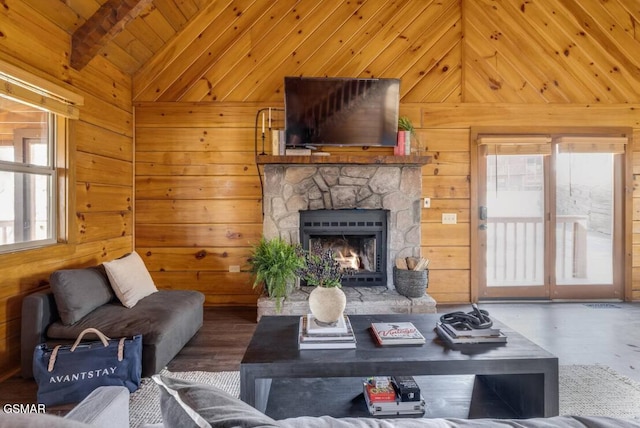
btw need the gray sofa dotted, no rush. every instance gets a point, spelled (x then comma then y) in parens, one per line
(186, 404)
(166, 319)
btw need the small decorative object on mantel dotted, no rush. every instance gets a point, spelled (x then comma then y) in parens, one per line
(406, 131)
(411, 276)
(327, 301)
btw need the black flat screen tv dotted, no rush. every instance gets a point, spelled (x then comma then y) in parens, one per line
(325, 111)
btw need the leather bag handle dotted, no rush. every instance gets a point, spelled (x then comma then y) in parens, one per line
(104, 339)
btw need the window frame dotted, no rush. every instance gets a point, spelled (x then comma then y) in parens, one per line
(49, 171)
(62, 105)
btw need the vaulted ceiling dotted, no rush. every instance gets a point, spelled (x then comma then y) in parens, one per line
(530, 51)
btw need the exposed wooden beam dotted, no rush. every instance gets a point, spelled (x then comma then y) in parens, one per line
(102, 27)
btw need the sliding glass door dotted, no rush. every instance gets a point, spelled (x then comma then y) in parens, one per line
(549, 218)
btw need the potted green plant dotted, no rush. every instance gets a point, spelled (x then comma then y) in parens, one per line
(274, 264)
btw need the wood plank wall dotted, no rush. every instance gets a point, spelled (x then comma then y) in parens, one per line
(462, 64)
(102, 164)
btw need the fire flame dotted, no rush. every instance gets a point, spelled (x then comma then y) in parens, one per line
(352, 261)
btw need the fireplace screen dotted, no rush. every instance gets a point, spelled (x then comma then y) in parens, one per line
(357, 237)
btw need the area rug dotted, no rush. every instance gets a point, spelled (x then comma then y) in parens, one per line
(585, 390)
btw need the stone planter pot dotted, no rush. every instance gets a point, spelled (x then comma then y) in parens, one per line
(327, 304)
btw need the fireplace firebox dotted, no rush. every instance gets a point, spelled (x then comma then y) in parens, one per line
(357, 237)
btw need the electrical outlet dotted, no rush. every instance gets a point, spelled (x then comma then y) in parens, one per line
(426, 203)
(234, 268)
(449, 218)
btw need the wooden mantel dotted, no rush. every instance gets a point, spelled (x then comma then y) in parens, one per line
(344, 159)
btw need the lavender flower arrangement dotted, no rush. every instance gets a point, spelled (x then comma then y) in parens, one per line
(320, 267)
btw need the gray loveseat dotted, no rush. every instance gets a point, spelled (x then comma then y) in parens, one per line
(166, 319)
(185, 404)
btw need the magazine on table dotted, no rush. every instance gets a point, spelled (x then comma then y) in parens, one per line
(397, 333)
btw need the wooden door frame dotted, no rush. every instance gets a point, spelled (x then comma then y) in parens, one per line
(627, 200)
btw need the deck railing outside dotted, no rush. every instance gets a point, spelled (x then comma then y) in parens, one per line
(515, 249)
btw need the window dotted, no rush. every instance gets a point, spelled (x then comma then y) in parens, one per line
(27, 176)
(32, 149)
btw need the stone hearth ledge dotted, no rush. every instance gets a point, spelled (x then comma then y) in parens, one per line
(360, 300)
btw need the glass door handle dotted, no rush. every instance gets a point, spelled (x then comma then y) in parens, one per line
(482, 213)
(483, 226)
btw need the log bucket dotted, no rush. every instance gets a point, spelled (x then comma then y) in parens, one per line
(411, 283)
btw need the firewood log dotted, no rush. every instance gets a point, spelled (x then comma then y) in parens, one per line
(401, 263)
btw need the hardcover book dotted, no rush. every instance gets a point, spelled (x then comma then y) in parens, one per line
(442, 331)
(324, 341)
(307, 336)
(315, 328)
(397, 333)
(463, 330)
(380, 393)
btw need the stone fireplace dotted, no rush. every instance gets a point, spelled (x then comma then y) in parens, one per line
(392, 187)
(290, 189)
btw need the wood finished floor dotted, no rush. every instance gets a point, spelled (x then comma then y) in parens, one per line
(578, 333)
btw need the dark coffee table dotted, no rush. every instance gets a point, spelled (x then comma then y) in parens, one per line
(513, 380)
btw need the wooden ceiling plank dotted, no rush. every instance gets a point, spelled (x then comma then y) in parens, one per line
(131, 44)
(120, 58)
(422, 83)
(375, 41)
(307, 16)
(159, 24)
(620, 80)
(627, 15)
(602, 27)
(141, 30)
(188, 8)
(179, 52)
(374, 19)
(446, 22)
(340, 40)
(411, 36)
(355, 31)
(527, 36)
(548, 24)
(236, 32)
(172, 13)
(59, 13)
(101, 28)
(520, 55)
(503, 89)
(309, 48)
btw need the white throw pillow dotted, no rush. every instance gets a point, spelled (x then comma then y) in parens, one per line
(130, 279)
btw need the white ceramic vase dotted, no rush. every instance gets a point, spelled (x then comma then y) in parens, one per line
(327, 304)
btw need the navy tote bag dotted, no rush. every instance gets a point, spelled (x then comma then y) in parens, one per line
(67, 374)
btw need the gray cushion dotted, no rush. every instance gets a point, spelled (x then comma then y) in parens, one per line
(79, 291)
(187, 404)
